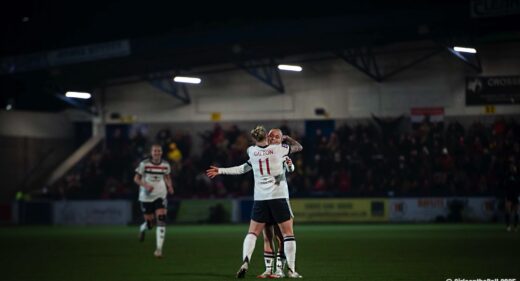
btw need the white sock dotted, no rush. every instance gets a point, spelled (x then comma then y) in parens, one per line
(161, 232)
(249, 247)
(143, 227)
(290, 252)
(280, 262)
(268, 260)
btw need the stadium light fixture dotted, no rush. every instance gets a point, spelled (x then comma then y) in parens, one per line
(290, 67)
(78, 95)
(190, 80)
(465, 50)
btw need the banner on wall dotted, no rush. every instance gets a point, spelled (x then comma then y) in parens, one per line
(85, 53)
(204, 211)
(340, 210)
(482, 90)
(479, 208)
(417, 209)
(494, 8)
(435, 114)
(116, 212)
(433, 209)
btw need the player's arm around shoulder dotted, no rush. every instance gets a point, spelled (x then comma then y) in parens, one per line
(293, 144)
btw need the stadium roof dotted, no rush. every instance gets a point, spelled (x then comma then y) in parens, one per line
(154, 38)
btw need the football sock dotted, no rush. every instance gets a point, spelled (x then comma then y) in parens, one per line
(160, 231)
(147, 224)
(508, 219)
(516, 219)
(269, 260)
(290, 252)
(280, 261)
(249, 247)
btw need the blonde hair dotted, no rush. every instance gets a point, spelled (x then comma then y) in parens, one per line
(259, 133)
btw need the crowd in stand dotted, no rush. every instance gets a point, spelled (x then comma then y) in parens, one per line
(374, 158)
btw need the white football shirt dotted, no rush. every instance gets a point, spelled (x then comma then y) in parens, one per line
(268, 170)
(154, 175)
(246, 167)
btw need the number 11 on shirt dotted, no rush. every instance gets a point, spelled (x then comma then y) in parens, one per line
(266, 165)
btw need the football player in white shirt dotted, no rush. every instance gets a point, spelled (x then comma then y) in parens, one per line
(270, 197)
(271, 228)
(153, 177)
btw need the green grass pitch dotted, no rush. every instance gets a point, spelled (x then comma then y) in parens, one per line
(199, 252)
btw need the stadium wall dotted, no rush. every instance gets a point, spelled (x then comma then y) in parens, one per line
(421, 209)
(215, 211)
(31, 144)
(35, 125)
(332, 84)
(441, 209)
(100, 212)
